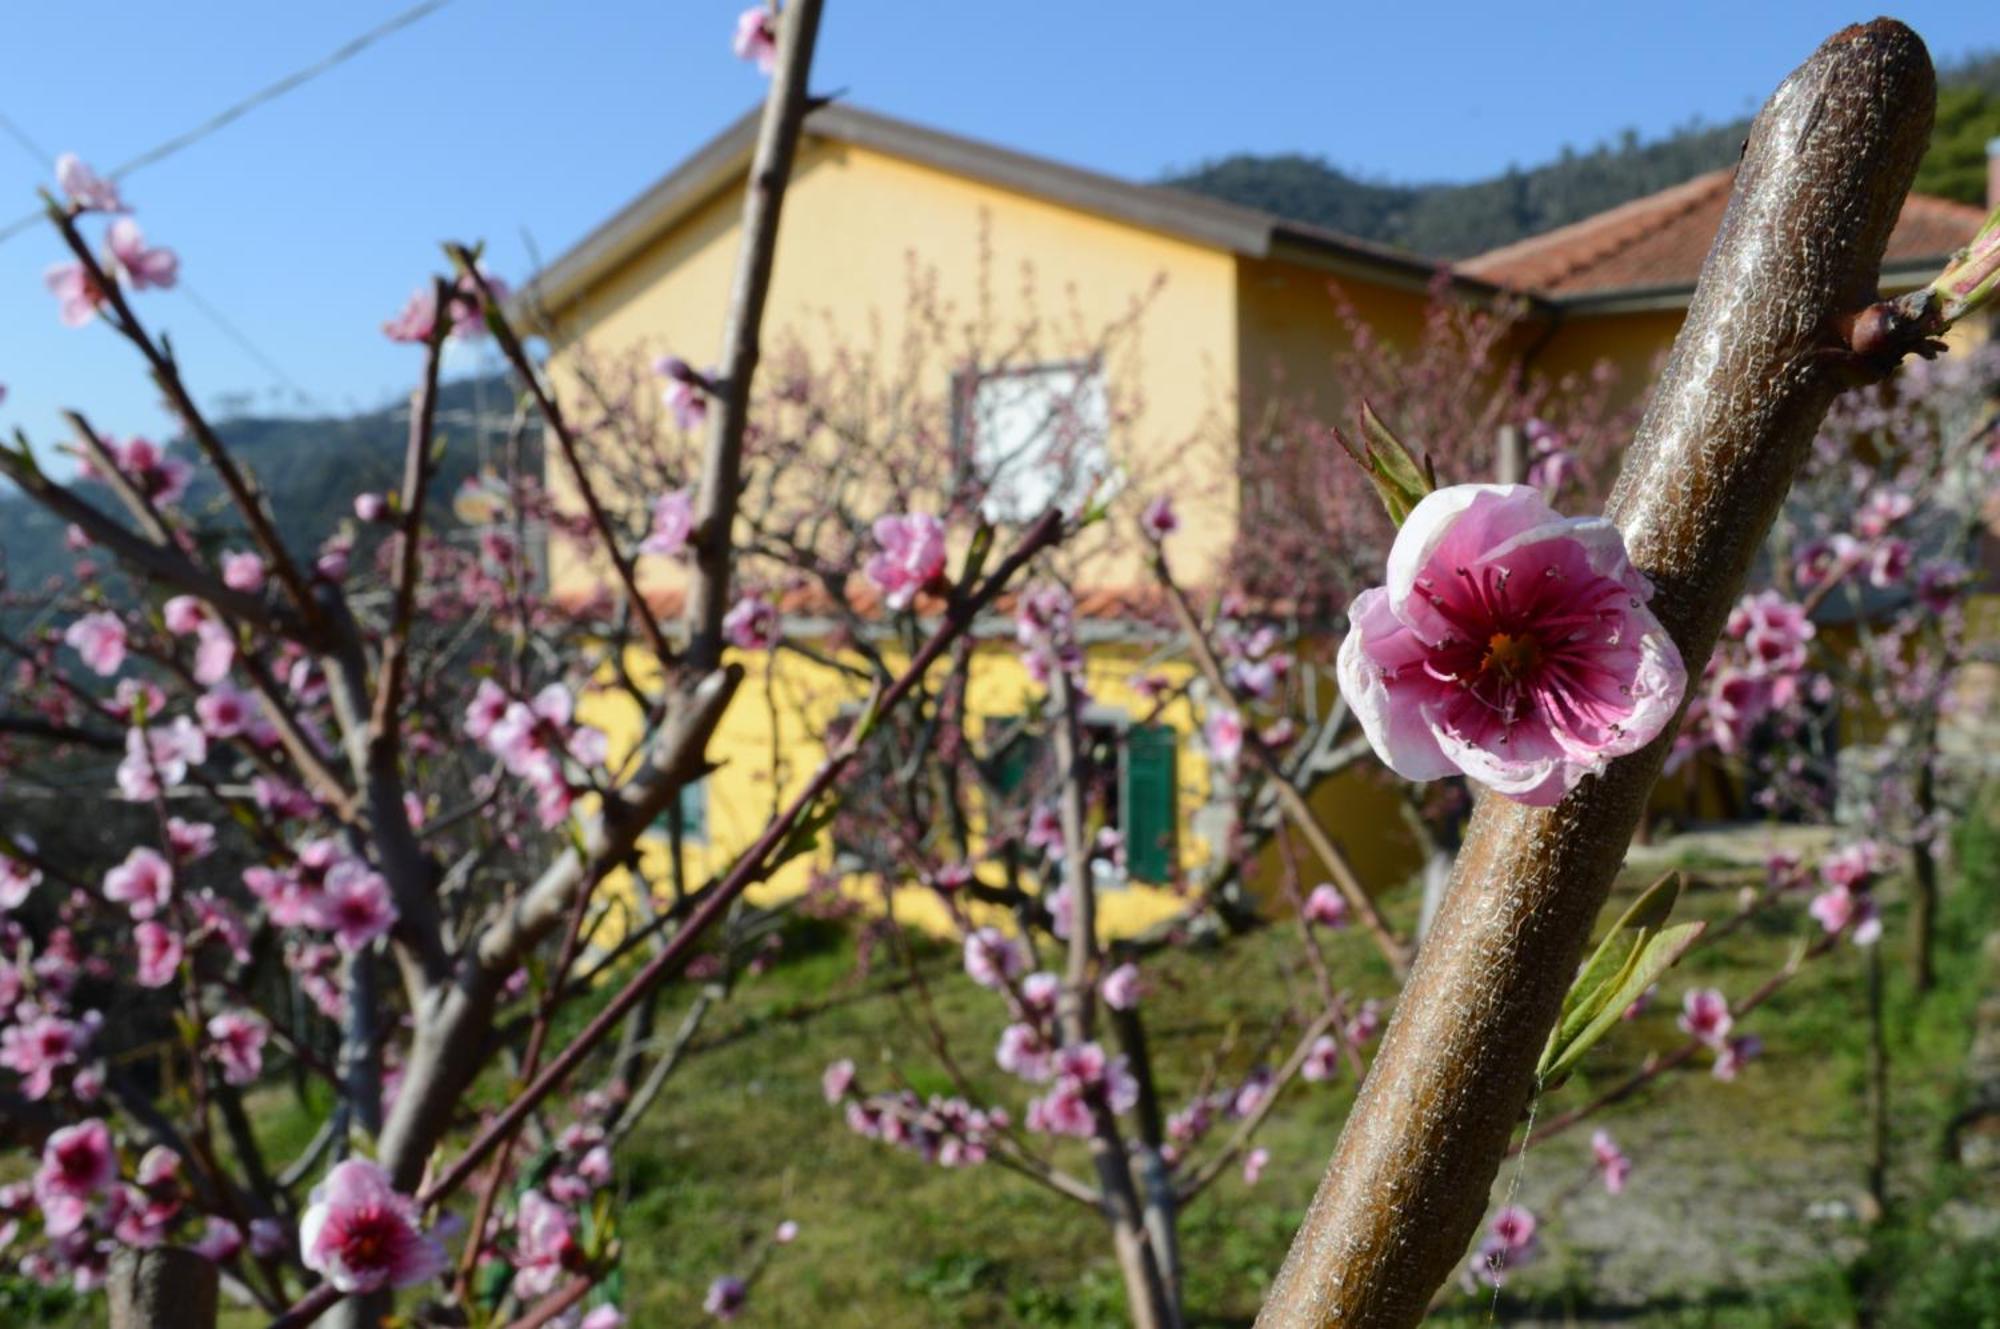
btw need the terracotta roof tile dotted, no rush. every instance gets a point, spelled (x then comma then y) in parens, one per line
(1661, 240)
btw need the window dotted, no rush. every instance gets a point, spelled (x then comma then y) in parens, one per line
(691, 808)
(1131, 784)
(1033, 437)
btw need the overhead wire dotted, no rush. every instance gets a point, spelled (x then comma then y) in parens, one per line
(221, 119)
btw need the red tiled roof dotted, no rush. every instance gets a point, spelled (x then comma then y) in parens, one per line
(1660, 241)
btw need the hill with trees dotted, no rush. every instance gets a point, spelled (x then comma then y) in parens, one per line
(1458, 220)
(310, 468)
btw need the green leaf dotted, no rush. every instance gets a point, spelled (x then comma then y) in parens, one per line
(1637, 949)
(1399, 479)
(489, 1284)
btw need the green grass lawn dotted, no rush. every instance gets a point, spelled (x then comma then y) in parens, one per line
(1714, 1227)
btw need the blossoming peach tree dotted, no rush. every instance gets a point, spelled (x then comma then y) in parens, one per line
(359, 832)
(349, 833)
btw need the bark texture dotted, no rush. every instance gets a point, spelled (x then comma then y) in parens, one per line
(1827, 165)
(162, 1288)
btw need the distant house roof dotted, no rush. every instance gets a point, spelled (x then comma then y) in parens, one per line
(1653, 247)
(1158, 208)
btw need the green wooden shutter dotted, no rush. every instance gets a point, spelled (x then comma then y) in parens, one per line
(1009, 769)
(692, 806)
(1146, 803)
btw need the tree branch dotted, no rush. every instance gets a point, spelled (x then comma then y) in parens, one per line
(1822, 181)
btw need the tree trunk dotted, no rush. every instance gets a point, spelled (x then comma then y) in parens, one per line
(1923, 864)
(162, 1288)
(1754, 369)
(1148, 1299)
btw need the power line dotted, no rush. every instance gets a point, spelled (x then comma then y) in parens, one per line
(229, 114)
(223, 324)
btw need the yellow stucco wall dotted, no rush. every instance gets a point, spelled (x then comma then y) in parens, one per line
(1291, 333)
(854, 223)
(785, 706)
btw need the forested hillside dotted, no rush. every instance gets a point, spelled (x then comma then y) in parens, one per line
(311, 468)
(1456, 220)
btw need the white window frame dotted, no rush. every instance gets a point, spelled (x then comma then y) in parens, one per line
(1034, 435)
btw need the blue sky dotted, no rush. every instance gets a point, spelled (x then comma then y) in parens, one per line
(526, 122)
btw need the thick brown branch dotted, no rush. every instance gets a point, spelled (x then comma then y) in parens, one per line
(167, 374)
(164, 564)
(566, 443)
(1822, 180)
(722, 458)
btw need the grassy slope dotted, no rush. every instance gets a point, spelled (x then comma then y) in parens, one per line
(1711, 1231)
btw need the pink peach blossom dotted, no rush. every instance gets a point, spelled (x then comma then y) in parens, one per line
(159, 953)
(1223, 732)
(1254, 1164)
(756, 38)
(1889, 565)
(143, 266)
(224, 711)
(1326, 906)
(1734, 1055)
(991, 959)
(489, 704)
(360, 1235)
(1705, 1014)
(220, 1241)
(355, 905)
(1510, 1240)
(417, 318)
(1510, 645)
(1159, 520)
(160, 756)
(837, 1079)
(752, 624)
(673, 524)
(100, 639)
(37, 1045)
(184, 614)
(214, 653)
(237, 1040)
(686, 393)
(1611, 1161)
(912, 555)
(89, 191)
(1039, 992)
(1121, 987)
(17, 877)
(77, 293)
(1852, 866)
(726, 1297)
(143, 883)
(78, 1165)
(243, 571)
(1841, 908)
(1024, 1051)
(544, 1245)
(1322, 1061)
(153, 471)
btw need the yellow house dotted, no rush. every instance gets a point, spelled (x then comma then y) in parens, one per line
(1213, 302)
